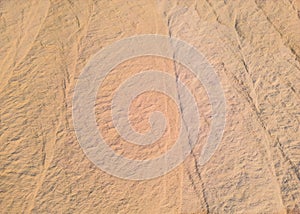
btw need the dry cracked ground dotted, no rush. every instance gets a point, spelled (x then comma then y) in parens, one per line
(254, 48)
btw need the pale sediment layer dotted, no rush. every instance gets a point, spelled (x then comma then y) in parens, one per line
(254, 47)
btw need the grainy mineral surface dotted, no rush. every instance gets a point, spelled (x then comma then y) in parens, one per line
(254, 48)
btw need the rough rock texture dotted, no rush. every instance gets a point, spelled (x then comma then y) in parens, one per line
(254, 46)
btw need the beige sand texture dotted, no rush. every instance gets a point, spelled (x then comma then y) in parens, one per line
(254, 47)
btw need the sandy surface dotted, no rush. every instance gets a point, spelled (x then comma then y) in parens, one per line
(254, 47)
